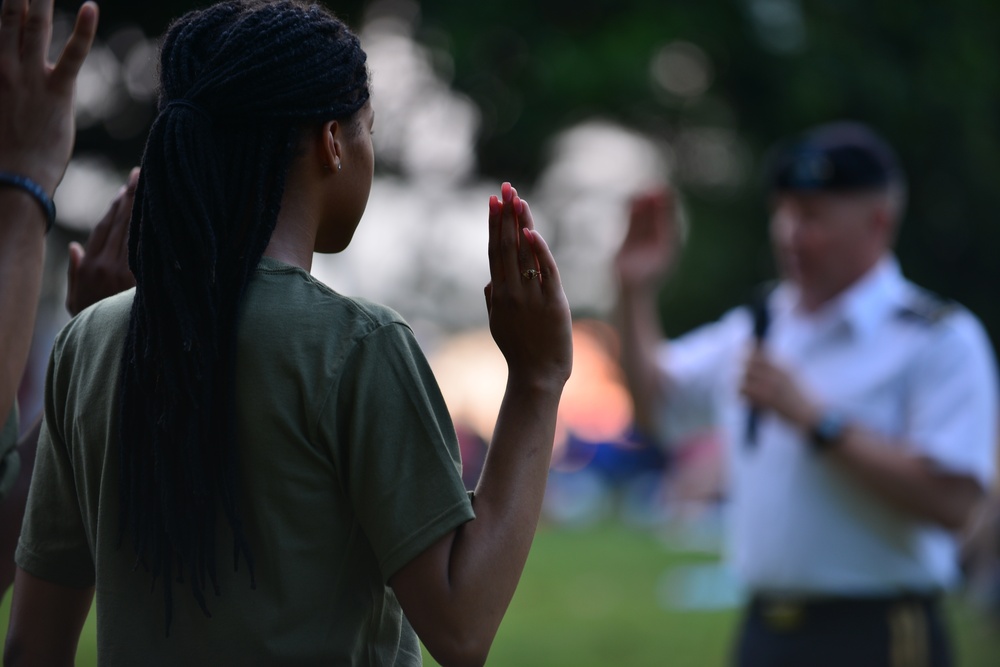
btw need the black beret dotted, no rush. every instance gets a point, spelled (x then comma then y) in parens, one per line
(840, 156)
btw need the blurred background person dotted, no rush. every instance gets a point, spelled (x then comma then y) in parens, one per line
(859, 412)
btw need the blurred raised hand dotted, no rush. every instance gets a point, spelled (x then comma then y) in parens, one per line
(652, 243)
(101, 269)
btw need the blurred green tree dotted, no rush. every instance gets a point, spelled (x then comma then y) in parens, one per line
(922, 72)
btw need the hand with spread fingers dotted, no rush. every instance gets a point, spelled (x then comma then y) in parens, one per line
(36, 140)
(36, 98)
(101, 270)
(650, 247)
(529, 314)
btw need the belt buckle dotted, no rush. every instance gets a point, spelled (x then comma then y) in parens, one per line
(783, 615)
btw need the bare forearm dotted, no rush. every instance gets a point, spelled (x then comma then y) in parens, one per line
(22, 254)
(641, 336)
(45, 622)
(908, 483)
(489, 553)
(12, 507)
(456, 593)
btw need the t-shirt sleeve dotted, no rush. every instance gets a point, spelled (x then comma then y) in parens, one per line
(53, 545)
(396, 447)
(694, 368)
(953, 400)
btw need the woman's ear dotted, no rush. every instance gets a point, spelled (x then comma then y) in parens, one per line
(331, 145)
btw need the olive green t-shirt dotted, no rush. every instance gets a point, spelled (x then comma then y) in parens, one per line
(349, 468)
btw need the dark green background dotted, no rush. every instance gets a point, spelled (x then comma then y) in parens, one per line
(923, 72)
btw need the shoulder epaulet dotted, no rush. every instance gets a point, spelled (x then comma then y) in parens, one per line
(925, 307)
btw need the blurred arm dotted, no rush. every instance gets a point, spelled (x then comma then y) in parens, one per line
(910, 483)
(646, 256)
(641, 340)
(953, 428)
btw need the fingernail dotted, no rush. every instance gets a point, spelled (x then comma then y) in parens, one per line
(517, 204)
(494, 205)
(506, 191)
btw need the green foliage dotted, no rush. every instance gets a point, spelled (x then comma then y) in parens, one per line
(922, 72)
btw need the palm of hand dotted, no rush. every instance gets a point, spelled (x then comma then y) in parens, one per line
(650, 247)
(644, 262)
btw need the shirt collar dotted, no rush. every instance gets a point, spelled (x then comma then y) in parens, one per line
(863, 305)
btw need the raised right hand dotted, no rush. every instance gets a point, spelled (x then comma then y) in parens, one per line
(36, 99)
(651, 245)
(529, 314)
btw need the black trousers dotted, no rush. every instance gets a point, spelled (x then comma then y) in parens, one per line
(905, 631)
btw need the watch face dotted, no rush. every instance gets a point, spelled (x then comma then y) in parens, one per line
(829, 430)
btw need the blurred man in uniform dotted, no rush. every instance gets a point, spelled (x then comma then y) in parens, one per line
(859, 412)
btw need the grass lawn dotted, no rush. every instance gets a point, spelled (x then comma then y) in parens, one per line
(594, 597)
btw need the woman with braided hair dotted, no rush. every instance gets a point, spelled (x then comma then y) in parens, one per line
(248, 467)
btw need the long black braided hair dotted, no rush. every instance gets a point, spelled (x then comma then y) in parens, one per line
(239, 83)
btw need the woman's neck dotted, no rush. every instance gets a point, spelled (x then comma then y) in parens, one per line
(294, 235)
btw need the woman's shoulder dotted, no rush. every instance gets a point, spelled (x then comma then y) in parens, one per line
(90, 346)
(103, 321)
(297, 301)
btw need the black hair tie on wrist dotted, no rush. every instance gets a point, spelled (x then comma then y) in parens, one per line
(35, 190)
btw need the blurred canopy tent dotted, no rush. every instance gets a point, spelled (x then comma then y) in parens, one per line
(595, 407)
(712, 83)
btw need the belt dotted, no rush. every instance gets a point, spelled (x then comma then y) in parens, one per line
(908, 629)
(789, 612)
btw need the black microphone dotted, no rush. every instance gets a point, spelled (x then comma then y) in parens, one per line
(761, 323)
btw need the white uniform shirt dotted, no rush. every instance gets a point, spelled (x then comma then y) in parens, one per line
(797, 524)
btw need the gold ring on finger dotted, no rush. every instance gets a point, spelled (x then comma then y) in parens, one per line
(530, 274)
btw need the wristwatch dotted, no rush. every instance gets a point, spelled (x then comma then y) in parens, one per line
(828, 431)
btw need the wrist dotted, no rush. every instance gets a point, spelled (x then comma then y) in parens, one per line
(827, 430)
(28, 187)
(41, 173)
(539, 386)
(638, 298)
